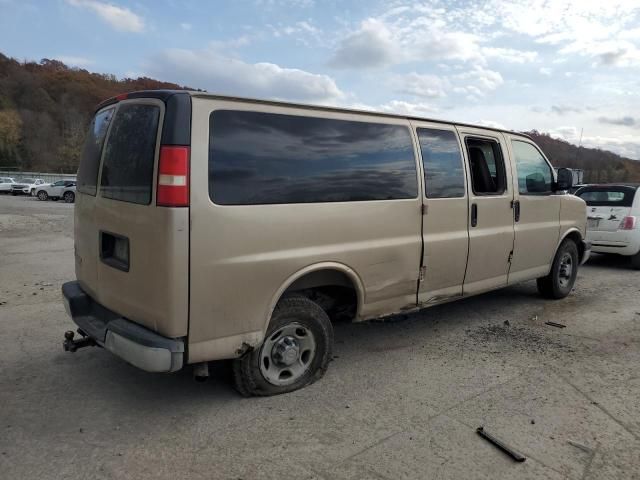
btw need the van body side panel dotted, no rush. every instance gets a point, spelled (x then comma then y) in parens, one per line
(153, 291)
(241, 255)
(491, 240)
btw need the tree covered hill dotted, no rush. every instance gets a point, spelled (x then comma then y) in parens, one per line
(600, 166)
(46, 107)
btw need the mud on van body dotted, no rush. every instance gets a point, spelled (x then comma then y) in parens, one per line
(211, 227)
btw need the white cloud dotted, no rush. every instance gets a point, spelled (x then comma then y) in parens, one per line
(185, 26)
(604, 30)
(301, 31)
(120, 18)
(427, 86)
(477, 82)
(510, 55)
(545, 71)
(370, 47)
(401, 107)
(419, 33)
(492, 124)
(217, 72)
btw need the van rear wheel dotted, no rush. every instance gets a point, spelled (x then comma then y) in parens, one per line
(635, 261)
(559, 283)
(295, 352)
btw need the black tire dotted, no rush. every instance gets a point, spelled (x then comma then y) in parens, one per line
(69, 197)
(635, 261)
(43, 196)
(559, 283)
(248, 374)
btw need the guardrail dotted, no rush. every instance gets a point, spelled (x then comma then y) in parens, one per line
(47, 177)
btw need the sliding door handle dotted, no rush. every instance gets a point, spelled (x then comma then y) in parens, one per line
(474, 215)
(516, 210)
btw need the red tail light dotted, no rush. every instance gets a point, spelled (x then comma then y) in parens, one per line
(173, 177)
(628, 223)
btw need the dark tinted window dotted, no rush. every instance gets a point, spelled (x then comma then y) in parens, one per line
(90, 162)
(607, 196)
(487, 166)
(442, 159)
(127, 171)
(261, 158)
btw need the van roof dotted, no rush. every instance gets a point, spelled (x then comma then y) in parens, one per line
(165, 94)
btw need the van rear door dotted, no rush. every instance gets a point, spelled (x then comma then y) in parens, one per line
(131, 252)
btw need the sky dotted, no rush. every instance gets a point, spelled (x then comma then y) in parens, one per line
(557, 66)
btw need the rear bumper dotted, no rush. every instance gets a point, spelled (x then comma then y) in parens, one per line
(133, 343)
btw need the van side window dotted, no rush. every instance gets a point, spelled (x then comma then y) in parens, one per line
(267, 158)
(534, 173)
(487, 166)
(90, 160)
(442, 160)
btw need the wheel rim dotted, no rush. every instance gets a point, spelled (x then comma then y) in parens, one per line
(565, 272)
(287, 354)
(68, 197)
(42, 196)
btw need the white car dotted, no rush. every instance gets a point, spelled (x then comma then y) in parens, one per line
(56, 191)
(5, 184)
(26, 186)
(613, 219)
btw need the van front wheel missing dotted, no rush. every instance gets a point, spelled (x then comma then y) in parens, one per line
(559, 283)
(295, 352)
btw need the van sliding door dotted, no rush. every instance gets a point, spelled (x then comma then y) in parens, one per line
(444, 220)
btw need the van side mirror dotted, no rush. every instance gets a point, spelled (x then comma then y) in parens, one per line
(565, 179)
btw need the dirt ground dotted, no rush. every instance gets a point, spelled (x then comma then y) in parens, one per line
(402, 399)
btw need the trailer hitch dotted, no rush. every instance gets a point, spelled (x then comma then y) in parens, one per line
(71, 345)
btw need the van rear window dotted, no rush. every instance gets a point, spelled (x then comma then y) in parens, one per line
(607, 196)
(267, 158)
(127, 170)
(90, 160)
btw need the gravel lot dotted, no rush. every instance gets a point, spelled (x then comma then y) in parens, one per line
(402, 399)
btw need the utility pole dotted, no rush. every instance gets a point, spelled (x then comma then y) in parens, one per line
(579, 144)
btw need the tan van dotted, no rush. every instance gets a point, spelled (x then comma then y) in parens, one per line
(211, 227)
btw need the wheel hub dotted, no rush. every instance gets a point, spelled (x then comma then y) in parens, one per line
(287, 354)
(566, 270)
(286, 351)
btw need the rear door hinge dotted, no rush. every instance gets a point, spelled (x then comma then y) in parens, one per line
(423, 270)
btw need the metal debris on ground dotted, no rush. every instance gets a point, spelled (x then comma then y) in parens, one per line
(580, 446)
(554, 324)
(518, 457)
